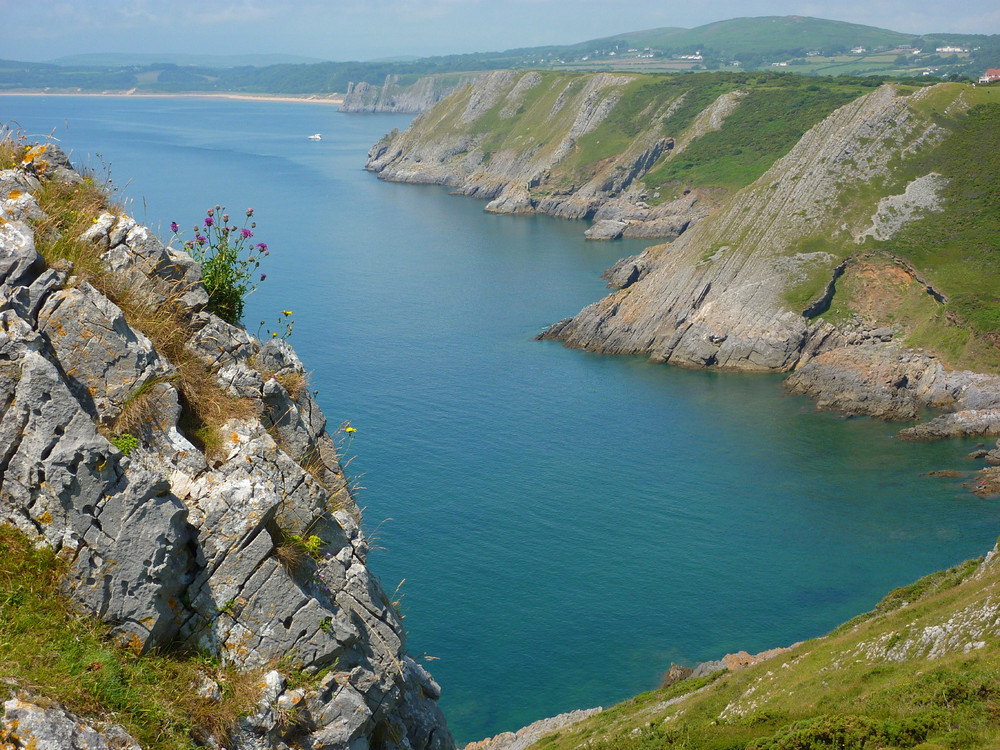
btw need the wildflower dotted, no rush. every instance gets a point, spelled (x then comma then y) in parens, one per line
(274, 335)
(246, 234)
(287, 313)
(225, 218)
(262, 246)
(208, 221)
(201, 239)
(210, 212)
(174, 227)
(262, 277)
(249, 212)
(349, 429)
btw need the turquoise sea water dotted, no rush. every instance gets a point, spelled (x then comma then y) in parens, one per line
(567, 524)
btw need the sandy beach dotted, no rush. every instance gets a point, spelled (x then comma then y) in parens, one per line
(336, 99)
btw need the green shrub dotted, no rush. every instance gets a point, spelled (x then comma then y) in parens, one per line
(229, 260)
(126, 443)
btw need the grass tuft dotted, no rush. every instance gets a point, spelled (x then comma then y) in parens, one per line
(70, 658)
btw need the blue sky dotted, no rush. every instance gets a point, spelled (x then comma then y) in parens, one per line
(371, 29)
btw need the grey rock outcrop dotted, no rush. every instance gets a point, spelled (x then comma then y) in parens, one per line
(252, 552)
(529, 735)
(42, 726)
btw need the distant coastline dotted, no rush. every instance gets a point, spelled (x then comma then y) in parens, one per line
(336, 99)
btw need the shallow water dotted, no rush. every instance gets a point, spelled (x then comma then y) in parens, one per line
(567, 524)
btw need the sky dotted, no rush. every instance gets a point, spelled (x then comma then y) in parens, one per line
(40, 30)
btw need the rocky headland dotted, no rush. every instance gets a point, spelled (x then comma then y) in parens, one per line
(513, 139)
(796, 272)
(247, 547)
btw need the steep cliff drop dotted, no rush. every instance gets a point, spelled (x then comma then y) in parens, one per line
(173, 543)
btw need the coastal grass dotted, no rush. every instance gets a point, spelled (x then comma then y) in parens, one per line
(776, 112)
(839, 691)
(12, 148)
(48, 648)
(958, 248)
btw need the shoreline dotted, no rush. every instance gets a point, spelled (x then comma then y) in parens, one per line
(336, 99)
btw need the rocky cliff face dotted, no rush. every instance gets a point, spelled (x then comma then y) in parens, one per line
(744, 289)
(532, 166)
(719, 295)
(395, 97)
(172, 544)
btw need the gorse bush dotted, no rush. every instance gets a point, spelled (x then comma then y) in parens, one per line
(229, 260)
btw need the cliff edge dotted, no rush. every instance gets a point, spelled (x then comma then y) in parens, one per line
(240, 539)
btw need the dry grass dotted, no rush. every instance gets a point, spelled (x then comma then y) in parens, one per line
(206, 405)
(294, 382)
(69, 211)
(12, 147)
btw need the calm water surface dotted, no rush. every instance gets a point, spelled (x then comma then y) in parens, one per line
(566, 524)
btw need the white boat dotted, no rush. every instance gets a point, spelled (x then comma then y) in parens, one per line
(315, 137)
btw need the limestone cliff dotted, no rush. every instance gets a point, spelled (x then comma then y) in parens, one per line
(514, 139)
(395, 96)
(174, 544)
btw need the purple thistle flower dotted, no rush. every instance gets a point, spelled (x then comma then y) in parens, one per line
(202, 240)
(249, 212)
(262, 246)
(210, 212)
(225, 217)
(246, 234)
(263, 276)
(209, 221)
(174, 227)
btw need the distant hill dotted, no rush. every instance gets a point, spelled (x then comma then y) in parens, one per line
(763, 36)
(809, 46)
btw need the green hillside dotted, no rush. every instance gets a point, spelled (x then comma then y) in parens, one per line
(754, 43)
(766, 35)
(920, 671)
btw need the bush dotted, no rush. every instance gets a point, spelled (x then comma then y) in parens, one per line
(229, 261)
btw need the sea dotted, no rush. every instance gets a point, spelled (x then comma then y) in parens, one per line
(557, 526)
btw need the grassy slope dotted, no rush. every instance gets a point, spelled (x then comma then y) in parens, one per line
(957, 249)
(775, 115)
(835, 692)
(778, 111)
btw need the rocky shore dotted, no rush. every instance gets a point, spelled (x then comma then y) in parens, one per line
(172, 543)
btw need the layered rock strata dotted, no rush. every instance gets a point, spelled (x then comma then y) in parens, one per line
(169, 543)
(718, 295)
